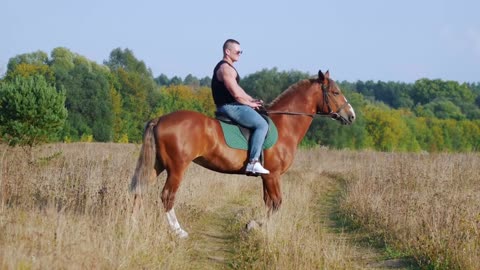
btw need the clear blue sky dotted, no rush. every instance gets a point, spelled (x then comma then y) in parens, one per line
(356, 40)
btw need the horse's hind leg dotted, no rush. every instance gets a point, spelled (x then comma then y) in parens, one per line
(168, 198)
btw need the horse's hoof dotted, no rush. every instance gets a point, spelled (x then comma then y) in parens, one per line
(181, 233)
(133, 221)
(252, 225)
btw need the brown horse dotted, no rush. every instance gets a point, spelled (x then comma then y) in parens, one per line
(173, 141)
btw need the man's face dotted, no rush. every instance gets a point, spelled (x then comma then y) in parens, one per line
(234, 52)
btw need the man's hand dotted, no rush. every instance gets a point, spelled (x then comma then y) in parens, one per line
(259, 101)
(256, 103)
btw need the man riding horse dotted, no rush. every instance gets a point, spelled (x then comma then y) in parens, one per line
(174, 140)
(233, 101)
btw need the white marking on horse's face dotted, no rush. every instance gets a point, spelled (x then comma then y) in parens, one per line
(352, 111)
(347, 112)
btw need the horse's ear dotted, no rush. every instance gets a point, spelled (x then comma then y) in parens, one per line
(321, 77)
(327, 74)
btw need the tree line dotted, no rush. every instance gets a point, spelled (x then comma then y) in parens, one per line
(66, 97)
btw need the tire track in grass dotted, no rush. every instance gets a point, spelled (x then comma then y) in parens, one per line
(369, 253)
(213, 237)
(212, 247)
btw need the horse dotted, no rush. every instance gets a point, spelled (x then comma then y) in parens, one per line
(171, 142)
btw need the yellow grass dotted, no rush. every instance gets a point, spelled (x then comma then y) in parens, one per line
(427, 205)
(70, 209)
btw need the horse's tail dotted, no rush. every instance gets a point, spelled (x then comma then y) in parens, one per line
(145, 171)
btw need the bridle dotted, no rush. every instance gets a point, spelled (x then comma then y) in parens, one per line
(326, 103)
(331, 113)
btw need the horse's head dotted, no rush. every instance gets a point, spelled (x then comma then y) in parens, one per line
(333, 103)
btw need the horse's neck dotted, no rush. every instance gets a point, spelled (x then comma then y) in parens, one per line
(301, 97)
(301, 101)
(296, 126)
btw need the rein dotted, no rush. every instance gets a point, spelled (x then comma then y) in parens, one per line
(295, 113)
(333, 115)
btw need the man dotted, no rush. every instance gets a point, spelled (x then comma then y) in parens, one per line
(234, 102)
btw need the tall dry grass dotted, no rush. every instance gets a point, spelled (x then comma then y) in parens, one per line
(300, 235)
(426, 205)
(70, 209)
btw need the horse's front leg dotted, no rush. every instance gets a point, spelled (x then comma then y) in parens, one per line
(272, 194)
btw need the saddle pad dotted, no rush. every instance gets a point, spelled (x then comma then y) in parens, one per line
(235, 139)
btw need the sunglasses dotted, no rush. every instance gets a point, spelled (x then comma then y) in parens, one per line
(238, 52)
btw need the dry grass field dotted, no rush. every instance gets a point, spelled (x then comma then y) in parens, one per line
(69, 208)
(424, 205)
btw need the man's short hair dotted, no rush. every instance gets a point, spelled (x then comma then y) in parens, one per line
(228, 42)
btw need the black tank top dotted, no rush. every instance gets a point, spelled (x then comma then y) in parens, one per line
(220, 93)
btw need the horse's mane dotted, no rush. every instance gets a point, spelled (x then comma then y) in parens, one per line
(290, 90)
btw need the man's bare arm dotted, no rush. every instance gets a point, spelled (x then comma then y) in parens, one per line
(228, 75)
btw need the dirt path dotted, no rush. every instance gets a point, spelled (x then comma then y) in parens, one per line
(368, 253)
(212, 243)
(212, 240)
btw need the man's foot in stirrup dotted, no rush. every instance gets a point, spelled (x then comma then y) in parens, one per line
(254, 168)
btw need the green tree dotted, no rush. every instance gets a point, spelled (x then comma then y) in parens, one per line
(192, 81)
(425, 91)
(205, 101)
(471, 133)
(175, 81)
(31, 111)
(36, 58)
(206, 81)
(366, 89)
(62, 62)
(138, 101)
(137, 88)
(30, 64)
(437, 142)
(388, 130)
(470, 110)
(88, 96)
(182, 97)
(126, 60)
(267, 84)
(27, 70)
(423, 111)
(444, 109)
(419, 127)
(162, 80)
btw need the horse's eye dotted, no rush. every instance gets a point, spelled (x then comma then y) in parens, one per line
(336, 93)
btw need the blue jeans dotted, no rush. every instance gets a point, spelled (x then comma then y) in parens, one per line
(249, 118)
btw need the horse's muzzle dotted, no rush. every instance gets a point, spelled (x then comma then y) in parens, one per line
(345, 121)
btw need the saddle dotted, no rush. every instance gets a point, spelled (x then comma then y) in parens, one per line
(237, 136)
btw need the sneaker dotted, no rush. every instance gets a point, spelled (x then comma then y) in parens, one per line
(256, 168)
